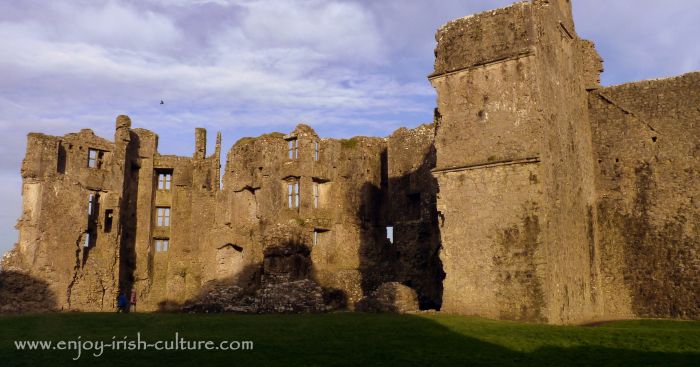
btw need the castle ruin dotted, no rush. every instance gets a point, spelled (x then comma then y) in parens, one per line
(536, 195)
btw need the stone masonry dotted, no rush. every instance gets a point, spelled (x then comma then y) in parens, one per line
(535, 195)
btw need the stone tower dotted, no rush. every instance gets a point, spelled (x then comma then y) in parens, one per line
(514, 164)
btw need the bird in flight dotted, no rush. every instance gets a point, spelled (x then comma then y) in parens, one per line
(161, 102)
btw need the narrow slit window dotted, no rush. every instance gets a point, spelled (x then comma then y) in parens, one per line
(296, 190)
(87, 240)
(293, 151)
(91, 204)
(62, 158)
(315, 241)
(390, 234)
(163, 217)
(164, 181)
(316, 150)
(316, 195)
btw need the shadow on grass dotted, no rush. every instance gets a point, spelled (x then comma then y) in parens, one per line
(347, 339)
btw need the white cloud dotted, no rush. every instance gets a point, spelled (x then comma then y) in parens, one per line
(233, 65)
(115, 25)
(338, 30)
(250, 66)
(291, 61)
(641, 39)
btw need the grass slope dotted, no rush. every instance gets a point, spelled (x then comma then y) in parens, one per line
(352, 339)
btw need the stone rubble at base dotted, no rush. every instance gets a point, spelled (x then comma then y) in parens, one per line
(535, 195)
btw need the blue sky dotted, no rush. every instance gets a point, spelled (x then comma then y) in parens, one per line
(246, 67)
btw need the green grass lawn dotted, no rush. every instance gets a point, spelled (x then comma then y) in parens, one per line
(353, 339)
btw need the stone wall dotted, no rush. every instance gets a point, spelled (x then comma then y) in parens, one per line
(492, 247)
(69, 229)
(558, 200)
(411, 212)
(564, 72)
(87, 227)
(345, 193)
(536, 195)
(514, 164)
(647, 149)
(342, 225)
(161, 278)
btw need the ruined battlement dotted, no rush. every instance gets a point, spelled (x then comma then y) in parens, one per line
(535, 195)
(484, 38)
(499, 35)
(169, 214)
(517, 92)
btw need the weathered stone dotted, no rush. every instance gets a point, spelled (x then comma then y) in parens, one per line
(21, 293)
(559, 200)
(301, 296)
(535, 195)
(282, 287)
(647, 149)
(391, 297)
(218, 299)
(412, 194)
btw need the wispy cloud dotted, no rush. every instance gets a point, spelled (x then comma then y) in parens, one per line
(246, 67)
(642, 39)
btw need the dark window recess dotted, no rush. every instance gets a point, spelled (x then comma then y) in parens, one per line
(413, 210)
(93, 205)
(90, 238)
(109, 216)
(62, 158)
